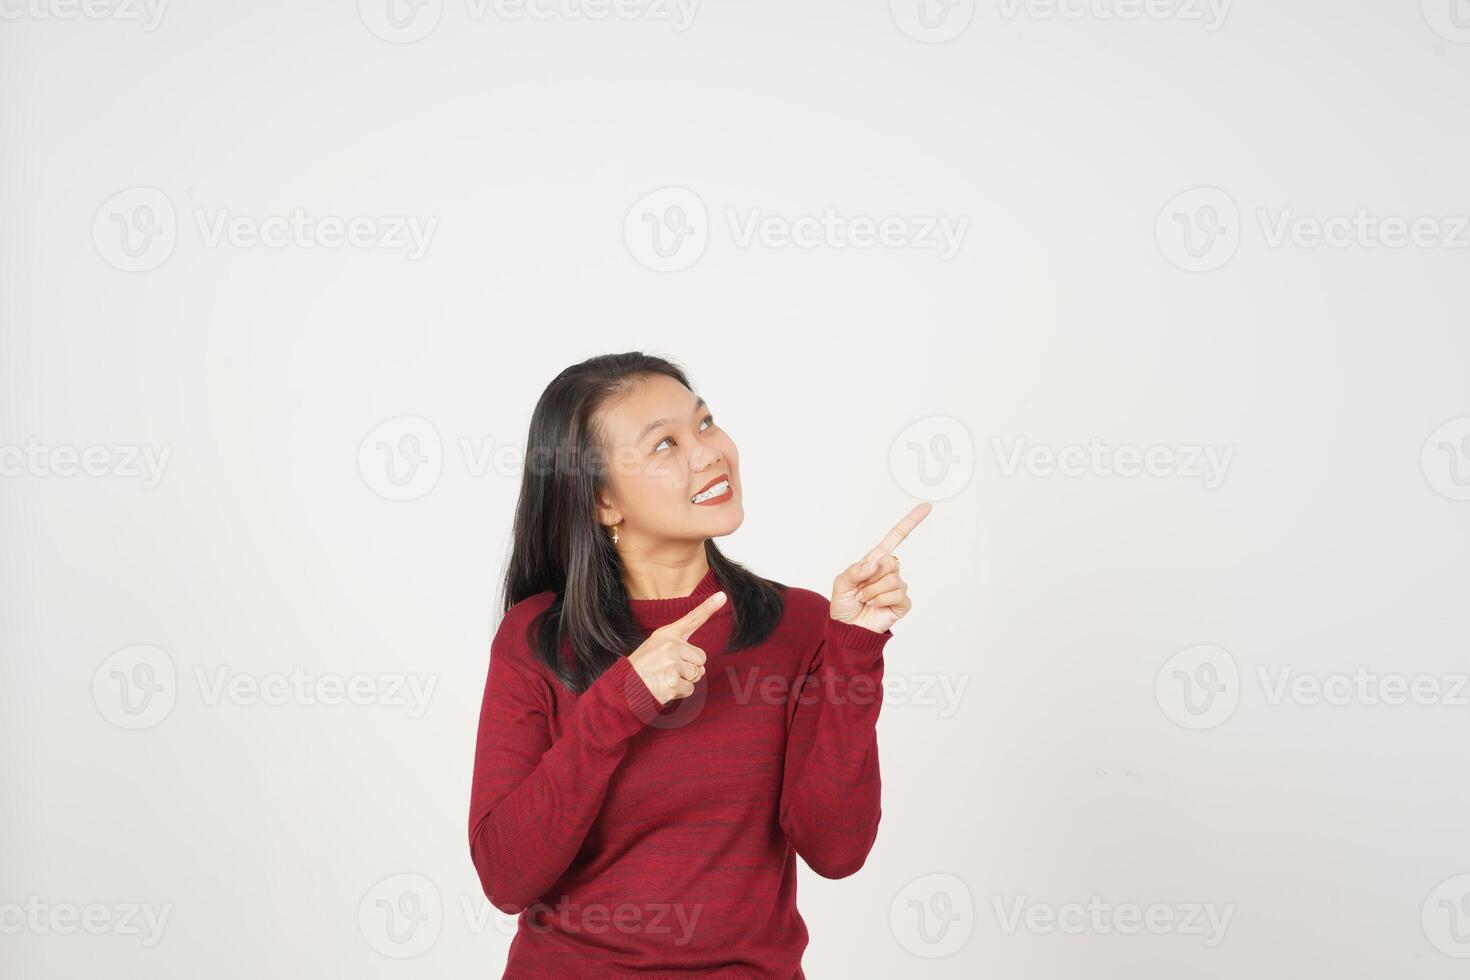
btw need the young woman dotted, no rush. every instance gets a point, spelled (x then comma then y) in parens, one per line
(662, 730)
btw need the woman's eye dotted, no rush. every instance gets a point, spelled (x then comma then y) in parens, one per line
(708, 418)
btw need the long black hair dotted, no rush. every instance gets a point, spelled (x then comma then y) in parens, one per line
(558, 544)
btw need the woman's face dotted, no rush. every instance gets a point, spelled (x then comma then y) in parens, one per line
(664, 448)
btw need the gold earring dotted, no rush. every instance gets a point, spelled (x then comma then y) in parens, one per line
(615, 534)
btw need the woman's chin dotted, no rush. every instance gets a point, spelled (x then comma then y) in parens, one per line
(725, 520)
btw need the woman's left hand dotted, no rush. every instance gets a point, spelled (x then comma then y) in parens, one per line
(869, 592)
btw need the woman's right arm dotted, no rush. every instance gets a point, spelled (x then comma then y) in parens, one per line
(533, 800)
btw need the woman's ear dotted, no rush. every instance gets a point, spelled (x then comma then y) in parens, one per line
(607, 514)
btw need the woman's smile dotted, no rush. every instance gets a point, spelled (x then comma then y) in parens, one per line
(716, 491)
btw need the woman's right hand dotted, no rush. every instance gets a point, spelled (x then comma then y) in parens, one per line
(667, 662)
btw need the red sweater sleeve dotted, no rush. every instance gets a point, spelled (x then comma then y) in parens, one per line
(533, 799)
(830, 792)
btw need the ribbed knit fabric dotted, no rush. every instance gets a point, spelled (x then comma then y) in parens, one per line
(643, 841)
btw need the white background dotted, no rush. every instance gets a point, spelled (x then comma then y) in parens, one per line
(1076, 760)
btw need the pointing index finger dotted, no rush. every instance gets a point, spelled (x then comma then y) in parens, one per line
(685, 625)
(900, 531)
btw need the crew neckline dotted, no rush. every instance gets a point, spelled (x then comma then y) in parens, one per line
(653, 613)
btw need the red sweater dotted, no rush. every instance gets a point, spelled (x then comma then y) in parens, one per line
(643, 841)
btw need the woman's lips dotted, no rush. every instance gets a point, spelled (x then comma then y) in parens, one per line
(725, 495)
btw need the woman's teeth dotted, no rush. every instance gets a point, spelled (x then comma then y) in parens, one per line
(712, 492)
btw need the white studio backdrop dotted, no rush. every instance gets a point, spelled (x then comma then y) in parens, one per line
(1161, 304)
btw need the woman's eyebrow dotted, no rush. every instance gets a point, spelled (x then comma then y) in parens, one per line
(698, 404)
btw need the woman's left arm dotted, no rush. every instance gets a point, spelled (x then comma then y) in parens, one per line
(831, 791)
